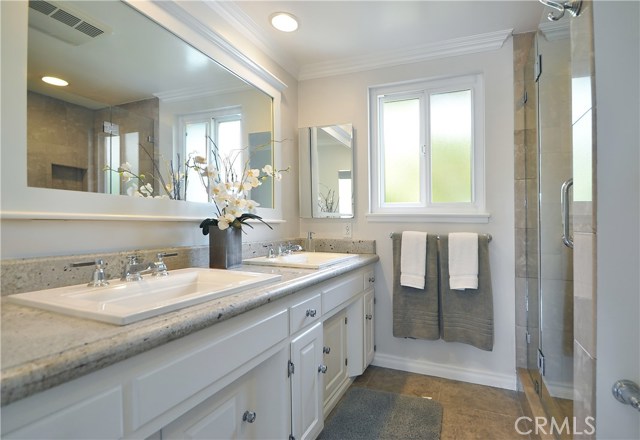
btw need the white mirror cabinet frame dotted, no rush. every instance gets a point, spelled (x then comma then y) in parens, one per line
(22, 202)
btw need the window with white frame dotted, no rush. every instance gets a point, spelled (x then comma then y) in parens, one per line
(427, 149)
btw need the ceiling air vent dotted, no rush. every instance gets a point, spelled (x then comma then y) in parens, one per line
(62, 22)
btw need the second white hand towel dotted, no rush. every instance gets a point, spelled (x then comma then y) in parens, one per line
(463, 261)
(413, 256)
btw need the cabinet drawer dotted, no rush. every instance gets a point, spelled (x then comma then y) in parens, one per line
(305, 313)
(100, 416)
(161, 389)
(340, 291)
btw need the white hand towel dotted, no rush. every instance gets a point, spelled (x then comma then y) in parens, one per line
(413, 256)
(463, 261)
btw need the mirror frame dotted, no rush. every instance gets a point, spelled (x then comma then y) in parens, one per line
(22, 202)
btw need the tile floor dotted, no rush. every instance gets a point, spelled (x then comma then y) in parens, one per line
(470, 412)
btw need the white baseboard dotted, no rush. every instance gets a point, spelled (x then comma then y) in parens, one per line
(454, 372)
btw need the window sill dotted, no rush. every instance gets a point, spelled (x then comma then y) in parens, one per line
(444, 217)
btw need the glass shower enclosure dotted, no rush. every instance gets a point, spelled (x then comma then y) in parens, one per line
(549, 255)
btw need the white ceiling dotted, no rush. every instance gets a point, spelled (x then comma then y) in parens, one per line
(339, 31)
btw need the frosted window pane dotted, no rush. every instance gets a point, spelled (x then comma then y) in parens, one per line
(401, 151)
(230, 149)
(451, 146)
(196, 144)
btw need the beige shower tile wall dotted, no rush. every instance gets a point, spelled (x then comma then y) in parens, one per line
(584, 160)
(525, 175)
(57, 138)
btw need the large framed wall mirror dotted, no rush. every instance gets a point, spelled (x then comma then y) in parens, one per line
(140, 109)
(326, 171)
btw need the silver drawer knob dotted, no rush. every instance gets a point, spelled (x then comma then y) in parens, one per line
(249, 416)
(311, 312)
(326, 350)
(372, 279)
(322, 369)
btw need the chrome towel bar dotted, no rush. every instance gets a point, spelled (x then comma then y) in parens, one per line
(489, 237)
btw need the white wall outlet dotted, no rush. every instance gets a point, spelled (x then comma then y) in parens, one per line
(347, 230)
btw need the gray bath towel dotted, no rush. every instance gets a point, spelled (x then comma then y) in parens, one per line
(467, 315)
(415, 311)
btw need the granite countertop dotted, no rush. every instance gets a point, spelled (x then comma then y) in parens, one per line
(42, 349)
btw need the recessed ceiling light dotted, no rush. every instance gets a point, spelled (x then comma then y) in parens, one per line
(284, 22)
(55, 81)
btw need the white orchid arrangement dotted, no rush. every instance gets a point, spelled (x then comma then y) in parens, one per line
(229, 189)
(226, 187)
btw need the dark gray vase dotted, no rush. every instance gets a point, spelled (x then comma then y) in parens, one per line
(225, 247)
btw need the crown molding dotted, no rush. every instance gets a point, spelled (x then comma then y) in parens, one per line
(198, 26)
(243, 24)
(448, 48)
(189, 93)
(555, 30)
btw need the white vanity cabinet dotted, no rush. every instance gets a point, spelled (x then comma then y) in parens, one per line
(306, 370)
(335, 356)
(261, 374)
(254, 406)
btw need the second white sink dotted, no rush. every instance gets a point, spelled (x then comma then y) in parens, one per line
(126, 302)
(307, 260)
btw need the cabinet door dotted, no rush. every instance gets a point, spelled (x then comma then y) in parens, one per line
(369, 319)
(253, 407)
(307, 384)
(335, 354)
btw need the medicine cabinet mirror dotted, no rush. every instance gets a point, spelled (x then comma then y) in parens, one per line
(136, 95)
(326, 171)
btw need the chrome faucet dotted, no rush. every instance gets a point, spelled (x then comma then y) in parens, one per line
(287, 249)
(133, 269)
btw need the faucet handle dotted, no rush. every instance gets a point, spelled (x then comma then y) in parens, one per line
(272, 252)
(99, 277)
(160, 268)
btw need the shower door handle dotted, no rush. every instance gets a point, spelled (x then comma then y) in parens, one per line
(564, 202)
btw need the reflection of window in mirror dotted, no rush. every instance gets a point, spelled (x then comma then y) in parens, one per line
(216, 136)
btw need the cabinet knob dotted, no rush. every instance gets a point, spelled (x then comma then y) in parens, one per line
(369, 316)
(322, 369)
(372, 279)
(311, 312)
(249, 416)
(326, 350)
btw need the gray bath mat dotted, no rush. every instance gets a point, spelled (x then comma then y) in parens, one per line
(364, 414)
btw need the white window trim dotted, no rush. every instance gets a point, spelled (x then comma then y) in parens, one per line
(473, 212)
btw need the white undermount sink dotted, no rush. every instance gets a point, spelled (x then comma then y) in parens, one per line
(125, 302)
(307, 260)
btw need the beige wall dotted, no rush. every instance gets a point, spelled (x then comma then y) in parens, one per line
(343, 99)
